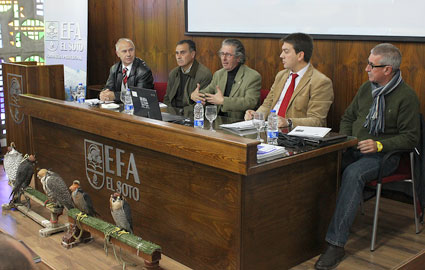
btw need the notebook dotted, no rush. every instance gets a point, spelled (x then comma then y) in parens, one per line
(145, 102)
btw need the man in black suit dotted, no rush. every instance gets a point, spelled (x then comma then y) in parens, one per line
(130, 71)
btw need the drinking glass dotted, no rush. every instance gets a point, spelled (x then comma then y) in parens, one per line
(211, 114)
(73, 92)
(258, 122)
(122, 96)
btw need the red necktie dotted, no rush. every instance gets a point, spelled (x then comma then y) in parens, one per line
(288, 95)
(124, 80)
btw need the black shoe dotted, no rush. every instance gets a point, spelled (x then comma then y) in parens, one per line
(330, 259)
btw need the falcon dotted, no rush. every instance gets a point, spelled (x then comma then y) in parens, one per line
(121, 212)
(55, 188)
(82, 199)
(23, 178)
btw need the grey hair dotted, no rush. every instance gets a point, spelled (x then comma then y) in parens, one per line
(121, 40)
(391, 55)
(239, 48)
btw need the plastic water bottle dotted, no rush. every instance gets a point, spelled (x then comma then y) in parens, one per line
(198, 115)
(128, 102)
(81, 95)
(272, 130)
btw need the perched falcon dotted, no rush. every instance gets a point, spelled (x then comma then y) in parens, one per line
(55, 188)
(23, 178)
(11, 161)
(81, 199)
(120, 210)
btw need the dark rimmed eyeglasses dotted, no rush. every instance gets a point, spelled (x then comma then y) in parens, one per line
(375, 66)
(221, 54)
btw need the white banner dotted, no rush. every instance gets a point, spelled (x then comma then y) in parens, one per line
(65, 42)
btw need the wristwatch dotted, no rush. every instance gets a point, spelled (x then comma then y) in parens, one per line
(289, 122)
(379, 146)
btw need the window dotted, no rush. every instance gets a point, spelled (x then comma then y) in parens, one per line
(21, 40)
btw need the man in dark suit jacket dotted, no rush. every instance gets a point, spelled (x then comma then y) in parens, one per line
(130, 71)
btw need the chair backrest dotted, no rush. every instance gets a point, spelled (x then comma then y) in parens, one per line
(263, 95)
(161, 89)
(403, 172)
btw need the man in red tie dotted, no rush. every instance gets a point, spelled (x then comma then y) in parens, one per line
(130, 71)
(300, 94)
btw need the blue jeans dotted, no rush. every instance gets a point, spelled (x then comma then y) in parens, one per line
(359, 169)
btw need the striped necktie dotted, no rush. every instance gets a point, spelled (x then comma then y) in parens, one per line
(124, 80)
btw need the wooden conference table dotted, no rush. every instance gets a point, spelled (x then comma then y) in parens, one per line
(200, 195)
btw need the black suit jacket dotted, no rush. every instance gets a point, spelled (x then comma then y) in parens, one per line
(140, 76)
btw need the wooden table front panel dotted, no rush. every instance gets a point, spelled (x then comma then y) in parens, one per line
(190, 209)
(286, 212)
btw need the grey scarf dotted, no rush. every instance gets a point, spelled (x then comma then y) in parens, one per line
(375, 120)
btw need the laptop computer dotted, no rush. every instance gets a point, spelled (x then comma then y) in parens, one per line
(330, 138)
(145, 102)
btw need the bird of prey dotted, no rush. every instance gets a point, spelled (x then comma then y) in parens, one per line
(11, 161)
(23, 178)
(121, 212)
(81, 199)
(55, 188)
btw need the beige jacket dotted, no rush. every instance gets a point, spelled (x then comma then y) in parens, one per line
(310, 102)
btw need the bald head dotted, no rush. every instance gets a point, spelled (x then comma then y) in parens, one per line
(14, 255)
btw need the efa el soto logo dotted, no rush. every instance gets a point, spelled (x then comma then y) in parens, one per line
(94, 163)
(15, 88)
(105, 162)
(51, 35)
(63, 36)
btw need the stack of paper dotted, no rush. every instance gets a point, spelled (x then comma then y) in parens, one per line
(243, 125)
(309, 132)
(267, 152)
(241, 128)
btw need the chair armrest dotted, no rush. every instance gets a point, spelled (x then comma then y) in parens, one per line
(386, 157)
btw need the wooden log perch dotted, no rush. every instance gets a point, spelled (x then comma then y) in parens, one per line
(149, 251)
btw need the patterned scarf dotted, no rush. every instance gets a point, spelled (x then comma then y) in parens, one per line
(375, 120)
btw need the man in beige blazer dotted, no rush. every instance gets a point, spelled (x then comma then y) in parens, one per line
(235, 88)
(312, 94)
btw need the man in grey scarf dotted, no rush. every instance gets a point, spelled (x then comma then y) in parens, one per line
(384, 116)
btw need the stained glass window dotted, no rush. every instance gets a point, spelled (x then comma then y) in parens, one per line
(21, 40)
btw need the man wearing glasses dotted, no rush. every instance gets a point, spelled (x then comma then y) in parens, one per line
(235, 88)
(301, 95)
(384, 116)
(130, 71)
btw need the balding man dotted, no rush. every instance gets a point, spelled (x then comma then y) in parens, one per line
(384, 116)
(130, 71)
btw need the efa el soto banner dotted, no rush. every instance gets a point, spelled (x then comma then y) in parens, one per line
(66, 39)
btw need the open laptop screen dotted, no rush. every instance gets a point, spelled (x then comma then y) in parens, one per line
(145, 102)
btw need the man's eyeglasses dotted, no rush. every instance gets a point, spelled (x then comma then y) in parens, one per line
(375, 66)
(221, 54)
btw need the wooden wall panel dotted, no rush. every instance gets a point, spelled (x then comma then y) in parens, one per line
(267, 60)
(156, 26)
(175, 31)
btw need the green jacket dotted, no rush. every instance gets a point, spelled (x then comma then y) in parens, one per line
(198, 74)
(402, 127)
(245, 93)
